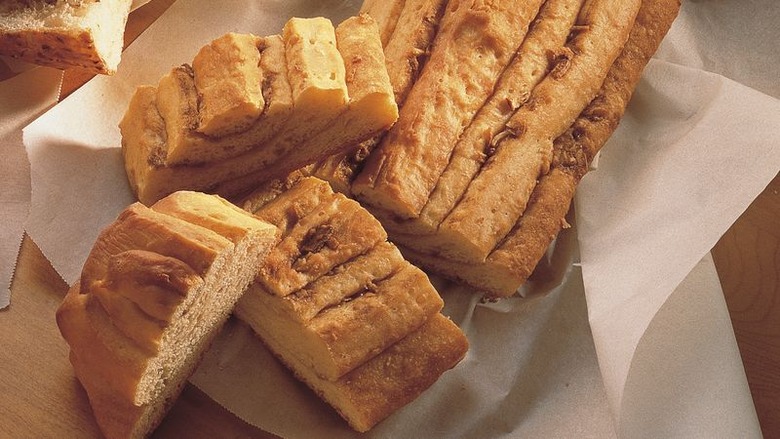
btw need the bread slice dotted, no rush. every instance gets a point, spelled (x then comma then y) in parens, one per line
(386, 13)
(229, 77)
(497, 196)
(509, 265)
(65, 33)
(340, 319)
(154, 291)
(476, 42)
(405, 51)
(339, 94)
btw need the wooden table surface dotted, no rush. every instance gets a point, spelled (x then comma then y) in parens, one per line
(747, 258)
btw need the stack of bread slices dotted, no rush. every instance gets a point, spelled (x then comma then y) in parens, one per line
(503, 106)
(249, 109)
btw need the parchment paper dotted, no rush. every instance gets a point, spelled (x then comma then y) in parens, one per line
(22, 99)
(694, 149)
(24, 96)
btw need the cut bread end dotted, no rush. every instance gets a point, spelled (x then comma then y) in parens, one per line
(66, 33)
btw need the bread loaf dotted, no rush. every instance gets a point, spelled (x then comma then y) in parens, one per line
(501, 196)
(410, 34)
(65, 33)
(340, 306)
(323, 90)
(514, 258)
(475, 43)
(154, 291)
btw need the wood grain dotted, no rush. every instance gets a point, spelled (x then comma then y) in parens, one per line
(747, 258)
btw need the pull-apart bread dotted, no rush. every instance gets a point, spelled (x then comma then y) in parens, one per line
(511, 105)
(251, 109)
(153, 293)
(340, 306)
(65, 33)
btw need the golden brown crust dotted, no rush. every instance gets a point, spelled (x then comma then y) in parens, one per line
(510, 265)
(400, 174)
(548, 33)
(321, 123)
(320, 230)
(350, 279)
(386, 13)
(405, 54)
(229, 79)
(496, 197)
(402, 372)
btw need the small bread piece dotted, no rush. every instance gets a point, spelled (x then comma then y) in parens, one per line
(155, 290)
(476, 43)
(509, 265)
(229, 79)
(497, 196)
(65, 33)
(355, 307)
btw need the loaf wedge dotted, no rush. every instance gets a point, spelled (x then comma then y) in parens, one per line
(154, 291)
(65, 33)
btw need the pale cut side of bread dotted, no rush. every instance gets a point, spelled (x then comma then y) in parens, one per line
(346, 329)
(156, 288)
(65, 33)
